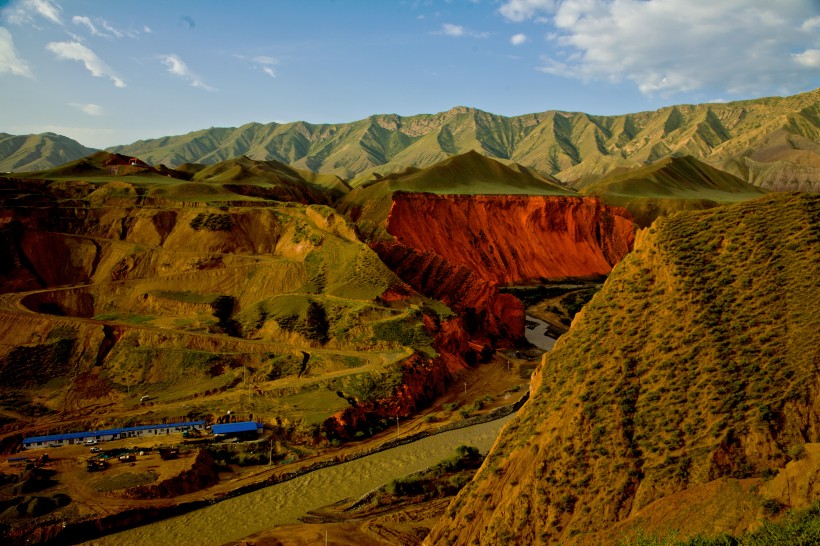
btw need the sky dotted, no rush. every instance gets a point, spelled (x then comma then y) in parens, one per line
(107, 73)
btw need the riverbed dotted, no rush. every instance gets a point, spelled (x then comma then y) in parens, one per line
(284, 503)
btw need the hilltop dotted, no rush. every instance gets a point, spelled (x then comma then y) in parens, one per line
(238, 178)
(38, 152)
(669, 185)
(470, 173)
(769, 142)
(681, 400)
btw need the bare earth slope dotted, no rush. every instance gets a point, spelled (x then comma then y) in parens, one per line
(688, 379)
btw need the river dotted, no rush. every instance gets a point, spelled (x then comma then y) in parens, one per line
(283, 503)
(537, 335)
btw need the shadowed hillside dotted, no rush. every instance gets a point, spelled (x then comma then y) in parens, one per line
(683, 399)
(770, 142)
(669, 185)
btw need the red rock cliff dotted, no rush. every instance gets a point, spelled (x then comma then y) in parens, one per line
(515, 238)
(487, 316)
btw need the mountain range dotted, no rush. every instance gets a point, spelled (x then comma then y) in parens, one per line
(769, 142)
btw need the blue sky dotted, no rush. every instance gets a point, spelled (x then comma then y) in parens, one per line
(107, 73)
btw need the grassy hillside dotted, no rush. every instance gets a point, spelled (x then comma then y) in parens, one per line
(677, 398)
(235, 179)
(668, 185)
(36, 152)
(745, 138)
(150, 285)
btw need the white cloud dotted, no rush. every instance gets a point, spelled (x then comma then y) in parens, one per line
(811, 24)
(449, 29)
(261, 62)
(262, 59)
(90, 109)
(521, 10)
(24, 11)
(75, 51)
(671, 46)
(177, 67)
(9, 61)
(112, 32)
(809, 58)
(107, 26)
(147, 30)
(86, 22)
(518, 39)
(458, 31)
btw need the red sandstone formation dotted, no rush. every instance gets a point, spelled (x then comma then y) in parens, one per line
(513, 239)
(487, 315)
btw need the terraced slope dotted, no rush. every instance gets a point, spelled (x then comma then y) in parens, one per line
(37, 152)
(770, 142)
(677, 399)
(669, 185)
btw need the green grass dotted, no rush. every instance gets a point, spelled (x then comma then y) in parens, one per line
(671, 185)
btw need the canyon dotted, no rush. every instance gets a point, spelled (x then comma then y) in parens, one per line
(332, 313)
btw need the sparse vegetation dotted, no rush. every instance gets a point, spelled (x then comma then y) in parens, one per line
(212, 222)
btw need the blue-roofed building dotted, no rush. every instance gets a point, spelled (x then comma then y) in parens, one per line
(142, 431)
(246, 430)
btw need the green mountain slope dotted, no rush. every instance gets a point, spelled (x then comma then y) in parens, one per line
(271, 179)
(668, 185)
(38, 152)
(678, 397)
(237, 179)
(770, 142)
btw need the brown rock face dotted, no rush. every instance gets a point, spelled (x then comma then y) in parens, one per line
(515, 238)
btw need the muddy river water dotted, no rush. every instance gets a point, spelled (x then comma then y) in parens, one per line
(283, 503)
(536, 332)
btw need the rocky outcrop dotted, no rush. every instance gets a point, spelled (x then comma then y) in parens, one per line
(423, 379)
(487, 315)
(513, 239)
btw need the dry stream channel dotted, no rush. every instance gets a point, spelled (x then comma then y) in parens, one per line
(283, 503)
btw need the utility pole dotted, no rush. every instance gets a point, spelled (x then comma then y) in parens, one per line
(398, 430)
